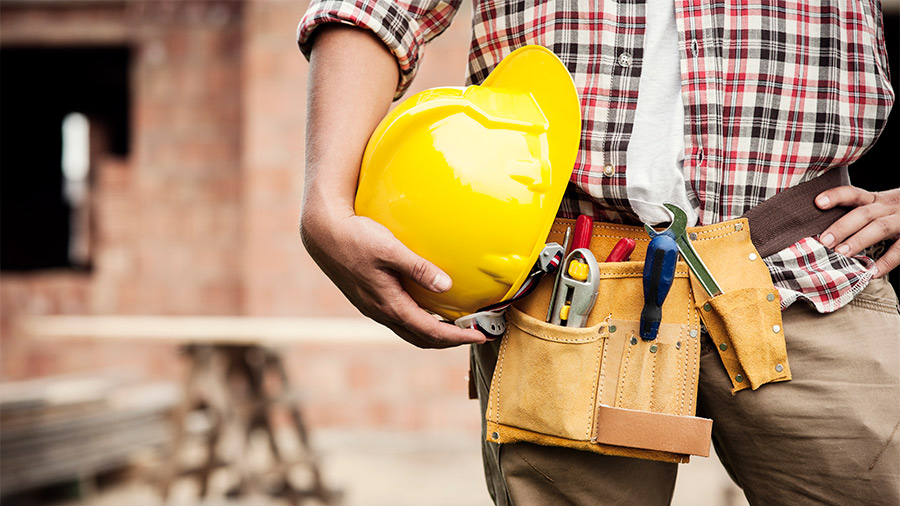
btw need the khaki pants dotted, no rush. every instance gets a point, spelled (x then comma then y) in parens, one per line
(829, 436)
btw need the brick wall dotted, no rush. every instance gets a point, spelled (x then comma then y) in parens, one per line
(201, 217)
(186, 157)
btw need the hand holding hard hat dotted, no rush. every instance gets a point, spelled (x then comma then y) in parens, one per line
(352, 78)
(471, 179)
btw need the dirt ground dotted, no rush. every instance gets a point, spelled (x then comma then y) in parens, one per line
(397, 469)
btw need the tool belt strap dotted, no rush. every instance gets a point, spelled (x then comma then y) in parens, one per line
(788, 217)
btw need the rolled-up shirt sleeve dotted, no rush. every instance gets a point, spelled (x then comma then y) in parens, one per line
(404, 27)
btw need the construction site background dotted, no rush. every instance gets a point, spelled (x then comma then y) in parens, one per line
(194, 212)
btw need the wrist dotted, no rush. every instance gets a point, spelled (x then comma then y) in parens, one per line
(320, 212)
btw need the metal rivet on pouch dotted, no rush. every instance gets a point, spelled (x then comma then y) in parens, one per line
(707, 307)
(738, 227)
(776, 329)
(693, 236)
(653, 349)
(612, 328)
(633, 340)
(770, 297)
(495, 435)
(693, 332)
(739, 378)
(779, 367)
(752, 256)
(723, 346)
(678, 345)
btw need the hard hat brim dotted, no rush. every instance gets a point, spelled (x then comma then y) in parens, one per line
(537, 70)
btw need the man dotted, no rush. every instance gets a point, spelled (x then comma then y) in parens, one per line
(714, 107)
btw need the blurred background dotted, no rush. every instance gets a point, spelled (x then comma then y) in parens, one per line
(164, 338)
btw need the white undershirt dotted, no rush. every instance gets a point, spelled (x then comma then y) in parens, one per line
(655, 154)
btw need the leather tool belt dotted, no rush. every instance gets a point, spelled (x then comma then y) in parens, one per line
(602, 388)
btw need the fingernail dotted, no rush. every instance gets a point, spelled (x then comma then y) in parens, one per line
(827, 240)
(874, 271)
(843, 249)
(441, 283)
(822, 201)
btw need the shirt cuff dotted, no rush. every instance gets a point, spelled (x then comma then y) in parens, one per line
(389, 21)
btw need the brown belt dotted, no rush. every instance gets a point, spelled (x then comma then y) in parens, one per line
(792, 215)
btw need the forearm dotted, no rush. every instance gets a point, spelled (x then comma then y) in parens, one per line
(352, 79)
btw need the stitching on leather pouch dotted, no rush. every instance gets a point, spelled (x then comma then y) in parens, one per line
(531, 329)
(636, 274)
(688, 353)
(653, 376)
(693, 377)
(602, 378)
(618, 237)
(703, 232)
(621, 393)
(717, 236)
(587, 432)
(606, 226)
(683, 350)
(503, 346)
(609, 236)
(576, 340)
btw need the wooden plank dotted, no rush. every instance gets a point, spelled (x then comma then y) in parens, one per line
(228, 330)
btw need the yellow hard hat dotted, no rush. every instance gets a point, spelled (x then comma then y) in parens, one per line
(471, 179)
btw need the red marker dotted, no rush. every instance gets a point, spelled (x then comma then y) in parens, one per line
(622, 250)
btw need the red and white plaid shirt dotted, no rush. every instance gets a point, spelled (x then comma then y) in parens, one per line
(775, 93)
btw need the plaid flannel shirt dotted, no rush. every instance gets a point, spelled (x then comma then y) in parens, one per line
(775, 93)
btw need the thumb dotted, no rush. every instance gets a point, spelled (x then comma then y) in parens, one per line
(423, 272)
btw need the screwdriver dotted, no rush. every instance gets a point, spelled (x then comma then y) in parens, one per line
(584, 227)
(659, 272)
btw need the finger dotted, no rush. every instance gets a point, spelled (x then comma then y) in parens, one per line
(854, 221)
(427, 342)
(844, 196)
(428, 332)
(860, 228)
(889, 261)
(423, 272)
(874, 232)
(396, 310)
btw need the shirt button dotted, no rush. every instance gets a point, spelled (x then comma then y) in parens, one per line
(608, 169)
(625, 59)
(694, 48)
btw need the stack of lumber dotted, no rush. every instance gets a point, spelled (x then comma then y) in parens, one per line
(59, 429)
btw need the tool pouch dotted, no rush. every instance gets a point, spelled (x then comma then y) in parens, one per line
(601, 387)
(744, 322)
